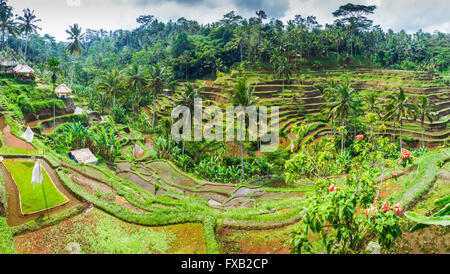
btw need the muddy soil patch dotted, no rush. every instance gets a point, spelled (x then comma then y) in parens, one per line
(166, 171)
(15, 216)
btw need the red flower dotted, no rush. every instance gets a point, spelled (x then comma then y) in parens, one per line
(386, 207)
(332, 188)
(398, 209)
(371, 212)
(292, 148)
(360, 137)
(394, 173)
(405, 154)
(347, 176)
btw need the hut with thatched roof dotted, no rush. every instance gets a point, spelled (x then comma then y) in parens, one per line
(23, 72)
(63, 91)
(7, 66)
(84, 156)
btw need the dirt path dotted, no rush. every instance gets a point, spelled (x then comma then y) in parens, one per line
(14, 215)
(11, 140)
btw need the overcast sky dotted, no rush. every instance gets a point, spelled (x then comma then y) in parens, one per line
(57, 15)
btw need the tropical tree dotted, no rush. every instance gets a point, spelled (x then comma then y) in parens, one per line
(7, 23)
(135, 81)
(157, 79)
(53, 67)
(28, 26)
(398, 108)
(342, 106)
(75, 46)
(329, 95)
(373, 108)
(187, 99)
(283, 69)
(111, 86)
(242, 96)
(424, 110)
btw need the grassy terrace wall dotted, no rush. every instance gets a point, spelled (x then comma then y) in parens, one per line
(419, 182)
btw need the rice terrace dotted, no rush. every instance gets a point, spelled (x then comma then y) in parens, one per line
(119, 140)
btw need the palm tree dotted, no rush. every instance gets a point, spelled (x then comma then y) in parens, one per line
(157, 80)
(342, 105)
(424, 110)
(372, 107)
(329, 95)
(7, 24)
(187, 99)
(283, 69)
(135, 81)
(242, 95)
(53, 66)
(399, 107)
(75, 46)
(28, 26)
(111, 85)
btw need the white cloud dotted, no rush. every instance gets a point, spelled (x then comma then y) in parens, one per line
(56, 16)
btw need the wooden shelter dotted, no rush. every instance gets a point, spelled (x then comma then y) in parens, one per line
(63, 91)
(84, 156)
(7, 66)
(23, 72)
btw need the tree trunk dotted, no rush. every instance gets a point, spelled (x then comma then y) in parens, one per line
(401, 124)
(342, 136)
(3, 40)
(73, 69)
(154, 113)
(423, 140)
(242, 161)
(26, 49)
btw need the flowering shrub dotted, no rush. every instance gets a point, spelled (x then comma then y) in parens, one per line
(360, 137)
(332, 188)
(347, 218)
(406, 157)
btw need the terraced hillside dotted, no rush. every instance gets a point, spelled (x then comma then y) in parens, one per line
(302, 99)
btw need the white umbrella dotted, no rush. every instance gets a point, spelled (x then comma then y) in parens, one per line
(1, 159)
(28, 135)
(36, 177)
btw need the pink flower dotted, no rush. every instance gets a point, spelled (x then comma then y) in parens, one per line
(371, 212)
(360, 137)
(398, 209)
(394, 173)
(405, 154)
(332, 188)
(292, 148)
(347, 176)
(386, 207)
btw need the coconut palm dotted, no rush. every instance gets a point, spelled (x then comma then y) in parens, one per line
(342, 106)
(135, 81)
(157, 80)
(372, 107)
(398, 108)
(424, 110)
(111, 86)
(242, 96)
(283, 69)
(329, 94)
(28, 25)
(53, 66)
(187, 99)
(75, 46)
(7, 23)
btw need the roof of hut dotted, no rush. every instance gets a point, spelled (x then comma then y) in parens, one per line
(23, 69)
(84, 156)
(63, 89)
